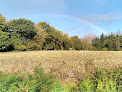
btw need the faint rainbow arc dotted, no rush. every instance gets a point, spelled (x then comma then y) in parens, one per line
(86, 22)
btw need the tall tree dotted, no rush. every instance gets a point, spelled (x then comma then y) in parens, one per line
(22, 26)
(4, 41)
(87, 41)
(40, 37)
(53, 37)
(97, 43)
(77, 42)
(117, 43)
(67, 42)
(2, 22)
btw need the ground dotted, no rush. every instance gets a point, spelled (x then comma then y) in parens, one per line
(68, 66)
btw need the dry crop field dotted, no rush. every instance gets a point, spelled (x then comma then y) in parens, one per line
(67, 66)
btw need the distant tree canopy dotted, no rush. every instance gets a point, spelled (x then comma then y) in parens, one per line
(4, 41)
(76, 42)
(111, 42)
(53, 37)
(22, 35)
(67, 43)
(2, 22)
(22, 26)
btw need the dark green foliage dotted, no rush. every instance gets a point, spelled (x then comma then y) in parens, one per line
(16, 42)
(53, 38)
(23, 35)
(2, 22)
(22, 26)
(111, 42)
(50, 46)
(67, 43)
(4, 41)
(77, 42)
(96, 42)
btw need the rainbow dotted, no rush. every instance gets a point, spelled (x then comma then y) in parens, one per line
(79, 20)
(86, 22)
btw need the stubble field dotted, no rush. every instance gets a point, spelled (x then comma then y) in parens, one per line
(67, 66)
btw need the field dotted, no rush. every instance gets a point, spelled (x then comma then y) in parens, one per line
(67, 66)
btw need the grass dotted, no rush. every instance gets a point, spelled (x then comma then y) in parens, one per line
(69, 67)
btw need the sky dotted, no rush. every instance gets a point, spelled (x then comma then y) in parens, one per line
(75, 17)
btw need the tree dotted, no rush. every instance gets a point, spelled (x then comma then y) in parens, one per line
(87, 41)
(67, 42)
(54, 38)
(102, 38)
(117, 43)
(2, 22)
(22, 26)
(77, 42)
(109, 44)
(97, 43)
(4, 41)
(16, 42)
(40, 37)
(121, 41)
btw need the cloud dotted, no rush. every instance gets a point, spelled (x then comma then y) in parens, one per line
(103, 18)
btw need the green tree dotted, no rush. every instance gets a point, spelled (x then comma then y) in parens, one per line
(4, 41)
(121, 41)
(54, 38)
(40, 37)
(2, 22)
(109, 44)
(102, 38)
(16, 42)
(77, 42)
(22, 26)
(67, 42)
(97, 43)
(117, 43)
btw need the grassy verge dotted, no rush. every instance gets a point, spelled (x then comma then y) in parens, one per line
(101, 81)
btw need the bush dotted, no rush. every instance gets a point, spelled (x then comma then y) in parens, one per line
(105, 49)
(108, 80)
(20, 47)
(38, 82)
(93, 48)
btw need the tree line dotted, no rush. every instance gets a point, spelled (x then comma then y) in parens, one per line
(23, 35)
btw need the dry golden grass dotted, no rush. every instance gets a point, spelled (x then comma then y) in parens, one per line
(68, 66)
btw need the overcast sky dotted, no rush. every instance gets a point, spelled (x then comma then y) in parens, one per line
(75, 17)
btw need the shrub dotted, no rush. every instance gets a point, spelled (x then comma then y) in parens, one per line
(20, 47)
(93, 48)
(108, 80)
(38, 82)
(105, 49)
